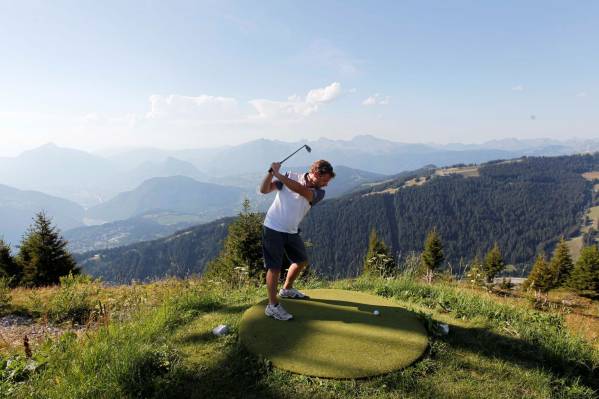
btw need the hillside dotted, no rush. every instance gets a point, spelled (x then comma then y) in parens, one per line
(156, 341)
(525, 206)
(18, 207)
(174, 193)
(145, 227)
(161, 223)
(181, 254)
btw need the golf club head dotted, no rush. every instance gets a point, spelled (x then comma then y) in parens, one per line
(308, 147)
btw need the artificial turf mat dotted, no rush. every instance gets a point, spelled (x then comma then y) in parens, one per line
(334, 334)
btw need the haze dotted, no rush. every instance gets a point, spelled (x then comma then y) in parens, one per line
(174, 75)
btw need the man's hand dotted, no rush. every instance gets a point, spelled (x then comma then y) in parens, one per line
(275, 167)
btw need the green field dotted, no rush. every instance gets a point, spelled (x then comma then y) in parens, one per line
(155, 341)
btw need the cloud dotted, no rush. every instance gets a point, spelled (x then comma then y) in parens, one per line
(324, 95)
(296, 106)
(518, 88)
(376, 99)
(203, 107)
(581, 94)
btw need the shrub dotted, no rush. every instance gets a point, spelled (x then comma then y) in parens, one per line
(5, 296)
(73, 301)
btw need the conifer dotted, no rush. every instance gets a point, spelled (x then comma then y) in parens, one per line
(584, 279)
(493, 263)
(541, 276)
(561, 264)
(8, 265)
(241, 257)
(432, 256)
(377, 259)
(43, 257)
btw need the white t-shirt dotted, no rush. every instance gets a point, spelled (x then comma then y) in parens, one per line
(289, 208)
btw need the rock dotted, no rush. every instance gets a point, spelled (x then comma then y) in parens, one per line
(219, 330)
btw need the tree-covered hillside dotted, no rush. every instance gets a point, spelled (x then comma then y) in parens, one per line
(525, 205)
(182, 254)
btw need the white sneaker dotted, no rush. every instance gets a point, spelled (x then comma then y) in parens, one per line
(277, 312)
(292, 293)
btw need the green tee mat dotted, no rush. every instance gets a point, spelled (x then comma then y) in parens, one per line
(335, 334)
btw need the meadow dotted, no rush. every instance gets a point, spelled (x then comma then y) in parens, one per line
(155, 340)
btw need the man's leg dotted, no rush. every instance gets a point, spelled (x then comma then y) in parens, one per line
(272, 281)
(294, 271)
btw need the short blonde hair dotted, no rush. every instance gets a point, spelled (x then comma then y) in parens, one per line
(322, 167)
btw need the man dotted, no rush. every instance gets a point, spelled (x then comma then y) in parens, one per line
(296, 194)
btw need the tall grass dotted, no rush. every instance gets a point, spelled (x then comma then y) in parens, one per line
(543, 334)
(121, 359)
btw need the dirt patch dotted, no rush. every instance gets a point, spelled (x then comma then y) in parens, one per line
(467, 171)
(14, 328)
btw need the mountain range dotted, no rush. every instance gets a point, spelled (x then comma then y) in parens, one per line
(525, 205)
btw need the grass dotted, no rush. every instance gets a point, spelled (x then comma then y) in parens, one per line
(163, 347)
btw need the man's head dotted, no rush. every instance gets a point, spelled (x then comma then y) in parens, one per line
(321, 172)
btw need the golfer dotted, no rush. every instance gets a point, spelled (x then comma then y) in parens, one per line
(296, 194)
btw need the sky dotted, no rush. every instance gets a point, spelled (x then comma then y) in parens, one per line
(177, 74)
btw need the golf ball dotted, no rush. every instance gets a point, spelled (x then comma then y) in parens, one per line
(376, 312)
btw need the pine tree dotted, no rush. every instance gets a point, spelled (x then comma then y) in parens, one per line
(561, 264)
(432, 256)
(493, 263)
(377, 259)
(541, 277)
(584, 279)
(475, 275)
(8, 265)
(43, 257)
(241, 258)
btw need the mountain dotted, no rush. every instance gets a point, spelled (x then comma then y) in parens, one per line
(62, 172)
(363, 152)
(145, 227)
(91, 179)
(169, 166)
(18, 208)
(524, 204)
(181, 254)
(347, 179)
(152, 225)
(174, 193)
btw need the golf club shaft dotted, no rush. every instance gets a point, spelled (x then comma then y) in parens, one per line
(292, 154)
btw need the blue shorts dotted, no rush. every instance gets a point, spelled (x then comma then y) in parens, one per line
(276, 245)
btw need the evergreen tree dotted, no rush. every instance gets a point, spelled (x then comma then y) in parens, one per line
(241, 258)
(43, 257)
(561, 264)
(475, 275)
(432, 256)
(541, 277)
(493, 263)
(584, 279)
(377, 259)
(8, 265)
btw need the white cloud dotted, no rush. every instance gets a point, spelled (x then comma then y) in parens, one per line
(296, 106)
(376, 99)
(518, 88)
(581, 94)
(369, 101)
(324, 95)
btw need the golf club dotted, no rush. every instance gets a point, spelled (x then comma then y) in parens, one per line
(293, 153)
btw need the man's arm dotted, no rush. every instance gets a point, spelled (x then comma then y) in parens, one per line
(267, 185)
(292, 184)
